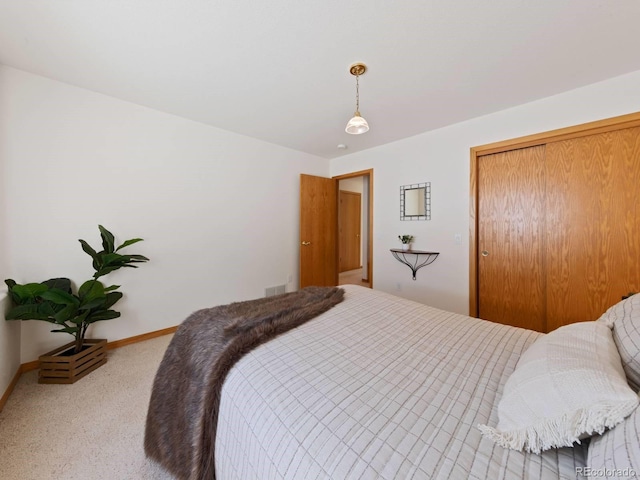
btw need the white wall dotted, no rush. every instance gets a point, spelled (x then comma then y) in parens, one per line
(9, 331)
(442, 158)
(9, 346)
(75, 159)
(71, 159)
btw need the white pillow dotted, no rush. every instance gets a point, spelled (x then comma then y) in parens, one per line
(567, 386)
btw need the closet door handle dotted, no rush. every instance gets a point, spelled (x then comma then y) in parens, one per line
(306, 243)
(485, 253)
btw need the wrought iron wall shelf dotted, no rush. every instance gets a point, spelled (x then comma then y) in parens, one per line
(421, 259)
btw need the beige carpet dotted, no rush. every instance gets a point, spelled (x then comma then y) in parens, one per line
(352, 277)
(93, 429)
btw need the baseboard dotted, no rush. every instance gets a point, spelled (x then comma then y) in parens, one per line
(10, 388)
(29, 366)
(140, 338)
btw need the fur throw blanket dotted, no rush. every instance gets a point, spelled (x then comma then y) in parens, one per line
(183, 410)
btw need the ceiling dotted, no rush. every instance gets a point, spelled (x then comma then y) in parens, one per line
(278, 70)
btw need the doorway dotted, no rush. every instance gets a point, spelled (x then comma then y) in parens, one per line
(355, 229)
(352, 231)
(319, 236)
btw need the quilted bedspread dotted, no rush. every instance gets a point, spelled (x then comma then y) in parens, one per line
(378, 387)
(182, 418)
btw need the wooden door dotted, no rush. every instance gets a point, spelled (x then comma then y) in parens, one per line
(511, 226)
(318, 231)
(349, 226)
(593, 235)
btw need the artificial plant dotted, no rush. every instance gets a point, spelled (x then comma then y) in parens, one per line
(54, 301)
(405, 239)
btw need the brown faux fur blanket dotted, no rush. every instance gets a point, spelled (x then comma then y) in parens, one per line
(183, 411)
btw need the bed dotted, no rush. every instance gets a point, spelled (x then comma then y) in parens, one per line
(378, 387)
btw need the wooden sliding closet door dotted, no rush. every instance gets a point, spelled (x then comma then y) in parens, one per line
(511, 238)
(593, 224)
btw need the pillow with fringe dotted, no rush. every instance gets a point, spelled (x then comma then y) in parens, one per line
(568, 385)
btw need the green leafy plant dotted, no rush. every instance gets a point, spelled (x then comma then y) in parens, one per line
(405, 239)
(53, 300)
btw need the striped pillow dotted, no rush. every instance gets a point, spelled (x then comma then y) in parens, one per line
(616, 453)
(624, 319)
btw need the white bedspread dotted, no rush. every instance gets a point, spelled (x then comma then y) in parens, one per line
(377, 388)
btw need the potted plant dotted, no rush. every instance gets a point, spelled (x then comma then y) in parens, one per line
(406, 241)
(55, 302)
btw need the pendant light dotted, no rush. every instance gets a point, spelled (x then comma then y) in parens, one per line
(357, 124)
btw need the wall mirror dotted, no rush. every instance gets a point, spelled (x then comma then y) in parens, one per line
(415, 201)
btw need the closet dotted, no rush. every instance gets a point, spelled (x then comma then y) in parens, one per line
(555, 235)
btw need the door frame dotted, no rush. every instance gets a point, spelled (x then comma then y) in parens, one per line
(365, 173)
(591, 128)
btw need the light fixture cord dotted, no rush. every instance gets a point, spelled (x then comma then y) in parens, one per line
(357, 94)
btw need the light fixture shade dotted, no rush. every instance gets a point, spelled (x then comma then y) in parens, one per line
(357, 125)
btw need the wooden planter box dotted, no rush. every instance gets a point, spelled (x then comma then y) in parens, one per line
(59, 367)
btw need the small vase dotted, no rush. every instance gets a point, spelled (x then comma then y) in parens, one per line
(406, 246)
